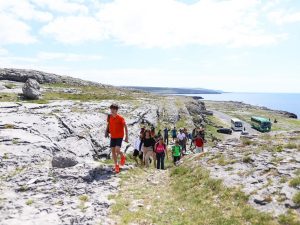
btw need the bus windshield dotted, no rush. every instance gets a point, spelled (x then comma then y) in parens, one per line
(265, 125)
(238, 124)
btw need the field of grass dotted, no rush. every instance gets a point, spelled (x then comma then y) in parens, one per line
(81, 93)
(183, 195)
(245, 113)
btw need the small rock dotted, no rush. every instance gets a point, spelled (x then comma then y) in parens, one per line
(63, 162)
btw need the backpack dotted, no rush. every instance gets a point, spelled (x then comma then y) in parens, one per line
(156, 145)
(107, 128)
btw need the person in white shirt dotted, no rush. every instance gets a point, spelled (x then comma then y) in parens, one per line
(182, 140)
(137, 152)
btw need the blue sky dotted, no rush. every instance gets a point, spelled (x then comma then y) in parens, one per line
(230, 45)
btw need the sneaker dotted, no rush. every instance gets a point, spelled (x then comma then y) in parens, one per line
(117, 168)
(123, 160)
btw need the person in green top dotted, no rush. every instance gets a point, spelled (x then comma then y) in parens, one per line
(176, 151)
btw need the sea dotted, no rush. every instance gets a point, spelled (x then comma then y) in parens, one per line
(277, 101)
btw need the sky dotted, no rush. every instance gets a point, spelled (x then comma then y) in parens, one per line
(229, 45)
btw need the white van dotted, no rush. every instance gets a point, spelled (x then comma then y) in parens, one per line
(236, 124)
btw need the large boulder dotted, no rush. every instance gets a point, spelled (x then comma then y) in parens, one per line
(31, 89)
(63, 162)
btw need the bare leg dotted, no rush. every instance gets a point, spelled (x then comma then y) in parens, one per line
(118, 152)
(154, 159)
(114, 155)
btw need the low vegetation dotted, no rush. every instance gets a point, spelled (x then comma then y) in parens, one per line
(82, 202)
(295, 182)
(9, 86)
(184, 195)
(296, 198)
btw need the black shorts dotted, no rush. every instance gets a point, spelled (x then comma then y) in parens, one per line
(176, 158)
(116, 142)
(136, 152)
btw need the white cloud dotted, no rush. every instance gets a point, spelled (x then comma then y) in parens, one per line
(14, 31)
(281, 17)
(69, 57)
(169, 23)
(23, 10)
(75, 29)
(63, 6)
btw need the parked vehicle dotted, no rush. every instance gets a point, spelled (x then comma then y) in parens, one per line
(236, 124)
(261, 124)
(224, 131)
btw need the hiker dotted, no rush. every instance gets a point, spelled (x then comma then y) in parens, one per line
(199, 144)
(137, 153)
(166, 136)
(182, 140)
(174, 134)
(152, 133)
(176, 152)
(115, 127)
(202, 133)
(193, 136)
(161, 153)
(148, 144)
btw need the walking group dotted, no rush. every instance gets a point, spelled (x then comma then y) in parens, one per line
(151, 146)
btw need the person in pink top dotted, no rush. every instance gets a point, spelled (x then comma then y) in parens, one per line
(161, 153)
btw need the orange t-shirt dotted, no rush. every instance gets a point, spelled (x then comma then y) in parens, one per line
(116, 126)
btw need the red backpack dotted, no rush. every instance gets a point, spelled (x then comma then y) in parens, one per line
(156, 145)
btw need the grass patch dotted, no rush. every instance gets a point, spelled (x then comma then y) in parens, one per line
(9, 126)
(291, 146)
(296, 198)
(86, 93)
(290, 218)
(185, 196)
(294, 182)
(8, 97)
(83, 199)
(247, 159)
(9, 86)
(29, 202)
(246, 141)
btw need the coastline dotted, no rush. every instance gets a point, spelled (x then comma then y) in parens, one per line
(282, 112)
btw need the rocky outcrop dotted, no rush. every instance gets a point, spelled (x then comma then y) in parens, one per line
(47, 166)
(263, 170)
(22, 75)
(31, 89)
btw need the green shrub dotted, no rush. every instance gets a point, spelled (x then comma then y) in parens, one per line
(296, 198)
(84, 198)
(291, 146)
(29, 202)
(247, 159)
(9, 126)
(294, 182)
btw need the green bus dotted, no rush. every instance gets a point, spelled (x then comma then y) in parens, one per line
(261, 124)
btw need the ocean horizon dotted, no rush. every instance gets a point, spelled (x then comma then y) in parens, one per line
(289, 102)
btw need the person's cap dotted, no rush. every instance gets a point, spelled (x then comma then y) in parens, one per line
(114, 106)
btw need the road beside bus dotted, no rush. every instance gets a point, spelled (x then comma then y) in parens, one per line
(226, 119)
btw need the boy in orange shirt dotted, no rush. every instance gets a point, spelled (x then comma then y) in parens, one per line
(115, 127)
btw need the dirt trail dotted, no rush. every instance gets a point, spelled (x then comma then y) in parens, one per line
(141, 193)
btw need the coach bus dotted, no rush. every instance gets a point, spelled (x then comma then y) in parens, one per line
(261, 124)
(236, 124)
